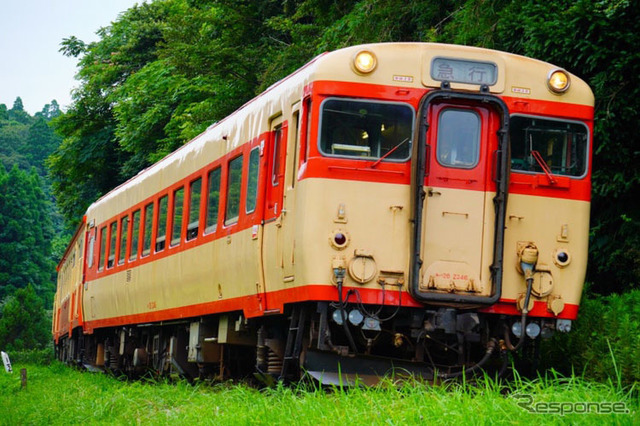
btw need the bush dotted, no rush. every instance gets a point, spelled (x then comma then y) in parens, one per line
(24, 323)
(604, 343)
(32, 356)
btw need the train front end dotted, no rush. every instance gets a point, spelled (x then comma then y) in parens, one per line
(448, 190)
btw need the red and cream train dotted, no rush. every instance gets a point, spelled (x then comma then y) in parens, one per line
(418, 205)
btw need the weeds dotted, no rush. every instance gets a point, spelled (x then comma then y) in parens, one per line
(59, 395)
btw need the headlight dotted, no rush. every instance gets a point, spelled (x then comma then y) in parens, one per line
(365, 62)
(558, 81)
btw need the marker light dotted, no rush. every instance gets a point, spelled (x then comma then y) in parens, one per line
(558, 81)
(355, 317)
(516, 328)
(337, 317)
(561, 257)
(365, 62)
(532, 330)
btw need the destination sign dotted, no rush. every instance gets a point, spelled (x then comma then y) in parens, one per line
(464, 71)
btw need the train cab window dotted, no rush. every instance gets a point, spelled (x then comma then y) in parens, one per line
(103, 247)
(366, 130)
(178, 205)
(233, 191)
(135, 236)
(195, 189)
(113, 234)
(146, 231)
(252, 180)
(558, 146)
(213, 198)
(458, 138)
(161, 233)
(124, 229)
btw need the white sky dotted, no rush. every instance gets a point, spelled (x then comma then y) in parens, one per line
(30, 35)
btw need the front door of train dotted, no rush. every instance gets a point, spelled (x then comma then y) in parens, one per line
(457, 250)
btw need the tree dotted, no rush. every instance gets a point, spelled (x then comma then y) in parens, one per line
(17, 113)
(25, 234)
(89, 161)
(50, 111)
(24, 323)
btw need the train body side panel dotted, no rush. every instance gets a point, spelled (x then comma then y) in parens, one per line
(169, 288)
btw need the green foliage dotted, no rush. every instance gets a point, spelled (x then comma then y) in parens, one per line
(27, 141)
(605, 341)
(596, 40)
(44, 356)
(28, 217)
(26, 232)
(88, 162)
(24, 323)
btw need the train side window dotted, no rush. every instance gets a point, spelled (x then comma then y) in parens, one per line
(103, 247)
(178, 206)
(195, 188)
(92, 243)
(306, 130)
(296, 143)
(458, 138)
(161, 232)
(80, 254)
(135, 236)
(124, 230)
(146, 231)
(277, 142)
(252, 180)
(234, 180)
(213, 198)
(113, 234)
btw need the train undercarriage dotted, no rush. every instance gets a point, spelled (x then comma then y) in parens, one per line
(327, 343)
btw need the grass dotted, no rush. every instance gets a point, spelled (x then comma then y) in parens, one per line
(57, 394)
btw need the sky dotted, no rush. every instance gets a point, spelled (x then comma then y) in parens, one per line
(30, 35)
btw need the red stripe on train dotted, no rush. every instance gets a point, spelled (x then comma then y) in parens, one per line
(273, 303)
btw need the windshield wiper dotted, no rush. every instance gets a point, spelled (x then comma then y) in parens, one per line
(391, 151)
(543, 164)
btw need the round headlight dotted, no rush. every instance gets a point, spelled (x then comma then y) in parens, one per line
(558, 81)
(365, 62)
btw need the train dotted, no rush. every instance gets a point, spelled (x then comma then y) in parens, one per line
(395, 207)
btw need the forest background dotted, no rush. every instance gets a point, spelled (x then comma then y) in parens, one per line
(166, 69)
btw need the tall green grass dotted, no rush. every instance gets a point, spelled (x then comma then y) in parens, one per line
(57, 394)
(604, 344)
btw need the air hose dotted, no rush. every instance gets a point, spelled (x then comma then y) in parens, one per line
(491, 346)
(339, 274)
(528, 260)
